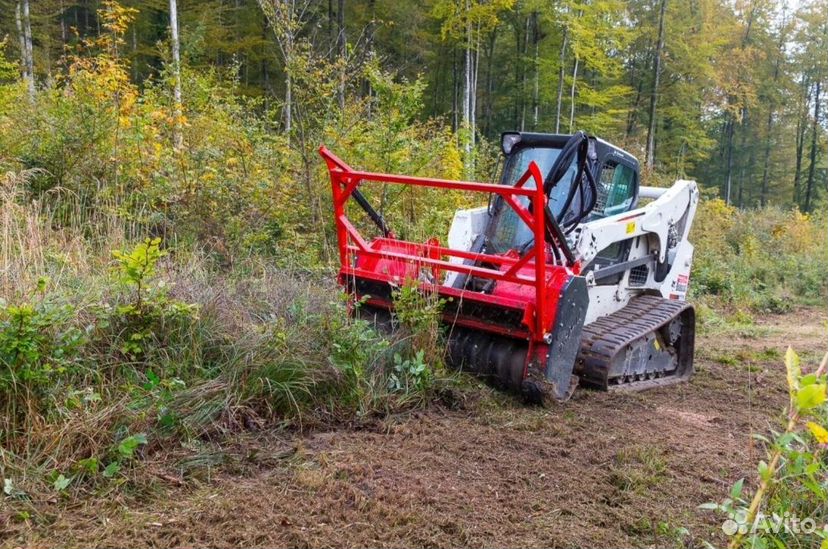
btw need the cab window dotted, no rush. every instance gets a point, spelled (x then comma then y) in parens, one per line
(616, 190)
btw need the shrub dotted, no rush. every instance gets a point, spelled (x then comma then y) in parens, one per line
(39, 350)
(788, 507)
(151, 317)
(419, 316)
(767, 259)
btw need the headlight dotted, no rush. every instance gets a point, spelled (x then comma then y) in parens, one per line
(508, 141)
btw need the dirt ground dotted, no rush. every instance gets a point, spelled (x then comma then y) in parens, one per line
(605, 469)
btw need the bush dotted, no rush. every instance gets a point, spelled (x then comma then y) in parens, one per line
(788, 507)
(767, 259)
(39, 350)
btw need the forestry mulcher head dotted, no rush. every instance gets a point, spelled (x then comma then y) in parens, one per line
(563, 277)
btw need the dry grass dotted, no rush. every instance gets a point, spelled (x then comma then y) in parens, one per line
(262, 347)
(61, 234)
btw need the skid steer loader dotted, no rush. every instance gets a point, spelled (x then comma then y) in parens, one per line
(564, 277)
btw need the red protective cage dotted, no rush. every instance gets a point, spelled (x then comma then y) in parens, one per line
(525, 299)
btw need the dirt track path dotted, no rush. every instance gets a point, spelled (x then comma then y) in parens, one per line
(602, 470)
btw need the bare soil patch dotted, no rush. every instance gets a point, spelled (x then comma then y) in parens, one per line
(605, 469)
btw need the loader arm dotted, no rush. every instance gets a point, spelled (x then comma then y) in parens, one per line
(653, 220)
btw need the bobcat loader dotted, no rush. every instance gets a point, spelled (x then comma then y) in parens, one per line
(573, 272)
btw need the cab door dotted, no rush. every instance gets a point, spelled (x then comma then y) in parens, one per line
(617, 193)
(617, 188)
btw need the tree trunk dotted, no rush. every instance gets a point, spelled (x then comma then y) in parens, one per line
(467, 91)
(371, 30)
(455, 86)
(744, 163)
(475, 72)
(467, 57)
(24, 65)
(288, 55)
(439, 79)
(637, 81)
(62, 24)
(288, 105)
(814, 137)
(523, 74)
(29, 54)
(561, 81)
(516, 96)
(745, 42)
(763, 199)
(801, 128)
(651, 129)
(800, 142)
(572, 95)
(728, 176)
(487, 108)
(745, 129)
(536, 74)
(340, 42)
(331, 35)
(176, 58)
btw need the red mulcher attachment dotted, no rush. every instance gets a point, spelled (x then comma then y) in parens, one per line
(523, 332)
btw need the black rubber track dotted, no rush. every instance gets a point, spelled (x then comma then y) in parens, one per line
(604, 339)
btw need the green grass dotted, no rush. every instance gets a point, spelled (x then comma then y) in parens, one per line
(638, 469)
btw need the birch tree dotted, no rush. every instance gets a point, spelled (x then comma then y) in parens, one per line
(24, 31)
(464, 23)
(285, 18)
(176, 59)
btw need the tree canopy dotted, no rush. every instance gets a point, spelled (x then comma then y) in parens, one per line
(731, 93)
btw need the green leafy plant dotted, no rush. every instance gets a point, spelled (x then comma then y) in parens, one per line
(418, 313)
(356, 351)
(136, 267)
(144, 320)
(127, 447)
(410, 374)
(788, 507)
(40, 347)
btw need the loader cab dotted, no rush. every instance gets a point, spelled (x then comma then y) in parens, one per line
(615, 172)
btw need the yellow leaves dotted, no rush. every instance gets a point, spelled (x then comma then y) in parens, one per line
(116, 18)
(819, 432)
(750, 246)
(800, 233)
(452, 163)
(793, 371)
(459, 16)
(720, 208)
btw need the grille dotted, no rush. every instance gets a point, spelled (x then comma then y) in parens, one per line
(638, 275)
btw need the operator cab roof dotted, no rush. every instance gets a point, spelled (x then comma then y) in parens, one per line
(512, 140)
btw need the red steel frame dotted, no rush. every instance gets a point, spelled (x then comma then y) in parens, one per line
(344, 180)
